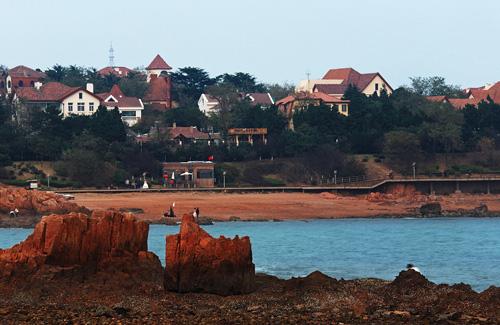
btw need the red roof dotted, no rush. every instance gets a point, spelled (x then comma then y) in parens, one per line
(117, 71)
(158, 64)
(481, 93)
(22, 71)
(49, 92)
(188, 132)
(121, 99)
(260, 98)
(159, 90)
(460, 103)
(331, 89)
(349, 76)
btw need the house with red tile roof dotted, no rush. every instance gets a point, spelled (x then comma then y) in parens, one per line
(191, 134)
(69, 100)
(130, 108)
(290, 104)
(158, 94)
(336, 81)
(475, 96)
(21, 77)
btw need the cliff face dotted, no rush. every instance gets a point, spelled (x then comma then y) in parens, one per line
(76, 245)
(197, 262)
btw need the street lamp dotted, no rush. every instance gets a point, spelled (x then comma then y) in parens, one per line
(224, 178)
(414, 166)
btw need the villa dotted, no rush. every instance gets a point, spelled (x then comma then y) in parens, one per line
(336, 81)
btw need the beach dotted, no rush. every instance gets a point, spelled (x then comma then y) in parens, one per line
(283, 206)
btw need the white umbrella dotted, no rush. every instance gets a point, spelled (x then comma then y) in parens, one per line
(186, 174)
(173, 175)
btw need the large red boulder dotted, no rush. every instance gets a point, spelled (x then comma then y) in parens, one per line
(33, 202)
(197, 262)
(77, 245)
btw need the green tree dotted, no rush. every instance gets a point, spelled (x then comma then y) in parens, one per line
(402, 148)
(189, 83)
(134, 85)
(435, 86)
(242, 82)
(108, 125)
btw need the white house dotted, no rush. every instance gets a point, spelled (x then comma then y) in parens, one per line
(336, 81)
(130, 108)
(79, 100)
(207, 104)
(69, 100)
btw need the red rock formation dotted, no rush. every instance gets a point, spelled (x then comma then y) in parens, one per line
(76, 244)
(197, 262)
(35, 202)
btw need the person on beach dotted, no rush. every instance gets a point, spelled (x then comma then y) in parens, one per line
(412, 267)
(171, 212)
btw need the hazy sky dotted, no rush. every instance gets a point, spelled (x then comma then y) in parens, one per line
(275, 40)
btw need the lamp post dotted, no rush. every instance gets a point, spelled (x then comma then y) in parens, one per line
(224, 179)
(414, 166)
(335, 177)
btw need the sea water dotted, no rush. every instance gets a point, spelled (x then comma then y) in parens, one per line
(446, 250)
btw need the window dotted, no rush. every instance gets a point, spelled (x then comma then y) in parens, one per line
(205, 174)
(344, 108)
(129, 113)
(9, 84)
(91, 107)
(20, 83)
(80, 95)
(81, 107)
(376, 87)
(32, 83)
(70, 107)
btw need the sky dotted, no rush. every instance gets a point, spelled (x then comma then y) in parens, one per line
(275, 40)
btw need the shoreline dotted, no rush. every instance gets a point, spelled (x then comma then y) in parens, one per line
(210, 221)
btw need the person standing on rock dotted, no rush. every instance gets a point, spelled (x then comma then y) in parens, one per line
(197, 213)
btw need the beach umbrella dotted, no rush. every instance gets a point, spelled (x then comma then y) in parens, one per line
(173, 175)
(186, 174)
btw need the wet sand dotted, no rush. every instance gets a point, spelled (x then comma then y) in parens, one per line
(285, 206)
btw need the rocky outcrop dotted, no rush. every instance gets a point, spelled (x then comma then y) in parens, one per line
(197, 262)
(33, 202)
(107, 243)
(431, 209)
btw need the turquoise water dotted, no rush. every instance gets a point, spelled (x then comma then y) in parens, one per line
(446, 250)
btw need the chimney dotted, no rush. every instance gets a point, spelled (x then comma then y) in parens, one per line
(90, 88)
(38, 85)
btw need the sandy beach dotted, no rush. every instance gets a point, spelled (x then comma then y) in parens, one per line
(285, 206)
